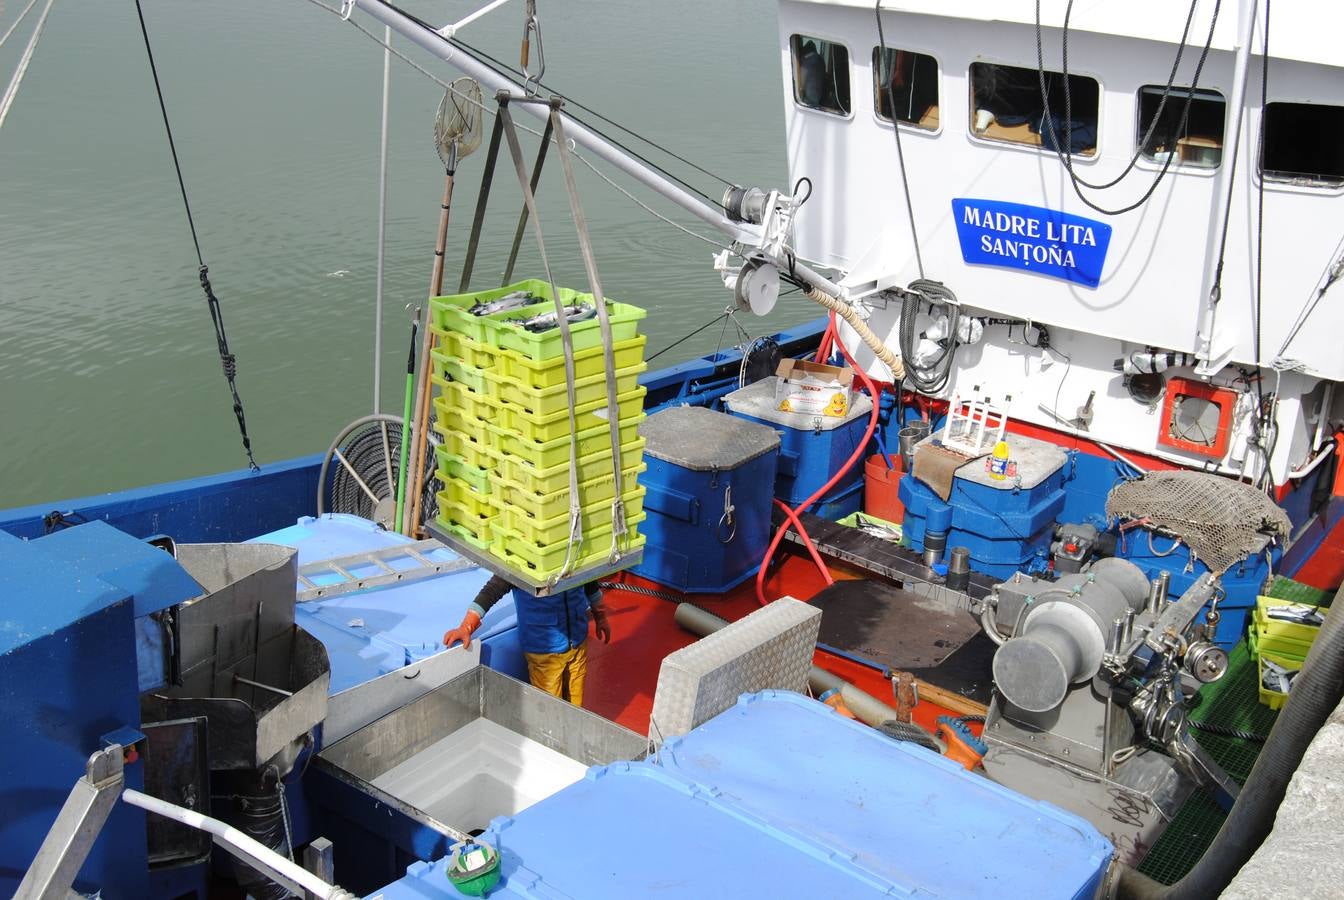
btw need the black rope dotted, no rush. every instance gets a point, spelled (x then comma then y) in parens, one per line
(1224, 731)
(1066, 153)
(228, 361)
(682, 340)
(896, 130)
(640, 589)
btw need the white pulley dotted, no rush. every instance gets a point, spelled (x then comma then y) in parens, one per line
(757, 287)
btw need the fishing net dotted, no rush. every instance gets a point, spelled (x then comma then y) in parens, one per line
(1222, 521)
(457, 127)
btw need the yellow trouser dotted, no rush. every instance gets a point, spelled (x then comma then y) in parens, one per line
(560, 674)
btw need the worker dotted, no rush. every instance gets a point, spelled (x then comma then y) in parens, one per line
(553, 631)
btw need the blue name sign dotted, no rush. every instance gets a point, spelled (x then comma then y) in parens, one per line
(1033, 239)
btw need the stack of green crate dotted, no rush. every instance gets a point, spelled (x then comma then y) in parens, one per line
(1284, 642)
(502, 413)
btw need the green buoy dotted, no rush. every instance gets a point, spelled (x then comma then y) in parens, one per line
(474, 868)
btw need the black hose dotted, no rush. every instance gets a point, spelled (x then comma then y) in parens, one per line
(931, 377)
(1316, 693)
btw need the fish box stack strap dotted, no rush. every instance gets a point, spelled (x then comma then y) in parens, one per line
(562, 320)
(618, 528)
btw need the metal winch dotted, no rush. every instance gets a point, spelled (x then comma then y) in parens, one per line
(1095, 672)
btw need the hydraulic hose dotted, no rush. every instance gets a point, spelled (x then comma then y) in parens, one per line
(1317, 691)
(846, 312)
(807, 541)
(821, 491)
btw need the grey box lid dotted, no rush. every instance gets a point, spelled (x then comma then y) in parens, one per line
(758, 401)
(1035, 460)
(703, 440)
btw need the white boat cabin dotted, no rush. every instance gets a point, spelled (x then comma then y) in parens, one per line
(1000, 152)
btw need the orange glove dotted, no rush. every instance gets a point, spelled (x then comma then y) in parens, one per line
(599, 617)
(470, 622)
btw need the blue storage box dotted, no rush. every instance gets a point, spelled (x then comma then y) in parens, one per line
(780, 796)
(1242, 583)
(708, 498)
(1003, 523)
(812, 448)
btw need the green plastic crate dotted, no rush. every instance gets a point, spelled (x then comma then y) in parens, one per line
(555, 530)
(448, 370)
(549, 345)
(542, 562)
(543, 455)
(450, 313)
(524, 503)
(455, 467)
(540, 429)
(545, 402)
(554, 478)
(540, 374)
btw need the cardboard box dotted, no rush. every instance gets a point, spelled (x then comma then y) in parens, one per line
(814, 389)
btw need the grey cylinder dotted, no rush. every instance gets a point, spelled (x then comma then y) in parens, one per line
(864, 705)
(908, 436)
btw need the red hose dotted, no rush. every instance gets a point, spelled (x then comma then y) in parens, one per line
(792, 519)
(807, 540)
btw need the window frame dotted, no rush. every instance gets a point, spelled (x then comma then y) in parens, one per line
(913, 127)
(793, 76)
(1284, 185)
(1078, 158)
(1150, 164)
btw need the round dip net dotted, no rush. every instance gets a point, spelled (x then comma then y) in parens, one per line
(1222, 521)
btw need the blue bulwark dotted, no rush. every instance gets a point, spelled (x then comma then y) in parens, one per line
(1032, 239)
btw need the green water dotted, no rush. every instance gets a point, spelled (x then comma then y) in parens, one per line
(109, 377)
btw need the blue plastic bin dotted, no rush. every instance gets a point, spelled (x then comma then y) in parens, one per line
(1003, 523)
(708, 498)
(812, 448)
(780, 796)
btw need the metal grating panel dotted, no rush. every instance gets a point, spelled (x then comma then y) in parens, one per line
(703, 440)
(769, 649)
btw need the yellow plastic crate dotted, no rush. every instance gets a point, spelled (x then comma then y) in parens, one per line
(465, 447)
(479, 536)
(450, 313)
(539, 562)
(1272, 698)
(585, 335)
(456, 397)
(540, 429)
(454, 467)
(448, 420)
(1277, 628)
(556, 478)
(591, 439)
(539, 374)
(469, 353)
(545, 402)
(448, 370)
(463, 497)
(525, 503)
(544, 532)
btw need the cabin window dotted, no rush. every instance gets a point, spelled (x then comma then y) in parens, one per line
(1196, 141)
(1303, 144)
(913, 81)
(1006, 105)
(820, 74)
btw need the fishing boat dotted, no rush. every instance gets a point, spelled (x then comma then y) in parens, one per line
(1008, 576)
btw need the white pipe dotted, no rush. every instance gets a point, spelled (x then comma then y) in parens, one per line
(441, 48)
(450, 30)
(1236, 105)
(1310, 467)
(22, 69)
(382, 231)
(290, 875)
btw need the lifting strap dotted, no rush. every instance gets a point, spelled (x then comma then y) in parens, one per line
(618, 528)
(522, 216)
(482, 200)
(505, 121)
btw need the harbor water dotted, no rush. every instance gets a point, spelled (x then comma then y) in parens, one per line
(109, 375)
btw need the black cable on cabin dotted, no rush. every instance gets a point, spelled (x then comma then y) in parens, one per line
(1048, 120)
(896, 130)
(226, 358)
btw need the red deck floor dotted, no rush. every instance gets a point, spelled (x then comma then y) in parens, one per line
(622, 675)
